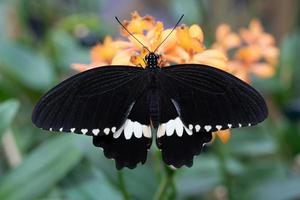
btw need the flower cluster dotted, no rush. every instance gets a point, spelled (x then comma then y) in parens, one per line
(251, 51)
(185, 45)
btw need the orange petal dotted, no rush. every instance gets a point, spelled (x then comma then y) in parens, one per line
(255, 27)
(138, 24)
(182, 54)
(84, 67)
(240, 70)
(122, 44)
(213, 134)
(195, 31)
(213, 53)
(222, 31)
(271, 54)
(263, 70)
(213, 63)
(266, 39)
(104, 52)
(232, 40)
(138, 60)
(214, 58)
(154, 36)
(96, 53)
(169, 43)
(142, 39)
(122, 58)
(185, 40)
(224, 135)
(249, 54)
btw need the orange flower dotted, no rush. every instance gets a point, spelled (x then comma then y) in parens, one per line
(138, 24)
(225, 38)
(184, 45)
(254, 51)
(103, 54)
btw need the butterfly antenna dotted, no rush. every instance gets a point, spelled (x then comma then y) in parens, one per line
(131, 34)
(170, 32)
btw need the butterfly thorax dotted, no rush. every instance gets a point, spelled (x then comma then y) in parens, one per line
(152, 60)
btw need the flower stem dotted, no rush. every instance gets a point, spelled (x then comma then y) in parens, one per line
(227, 178)
(11, 149)
(122, 186)
(166, 182)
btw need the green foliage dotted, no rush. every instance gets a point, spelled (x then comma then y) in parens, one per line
(8, 111)
(38, 43)
(41, 169)
(25, 66)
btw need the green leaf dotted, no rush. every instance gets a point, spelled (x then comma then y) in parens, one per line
(66, 49)
(194, 8)
(203, 176)
(277, 189)
(252, 142)
(26, 66)
(98, 187)
(141, 183)
(44, 167)
(8, 110)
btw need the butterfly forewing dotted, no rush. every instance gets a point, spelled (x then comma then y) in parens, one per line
(211, 99)
(94, 102)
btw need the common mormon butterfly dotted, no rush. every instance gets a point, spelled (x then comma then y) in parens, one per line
(119, 105)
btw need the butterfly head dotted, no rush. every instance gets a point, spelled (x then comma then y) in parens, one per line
(152, 60)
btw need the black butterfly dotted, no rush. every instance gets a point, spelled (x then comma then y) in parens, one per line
(118, 106)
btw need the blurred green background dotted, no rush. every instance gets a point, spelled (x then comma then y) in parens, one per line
(39, 39)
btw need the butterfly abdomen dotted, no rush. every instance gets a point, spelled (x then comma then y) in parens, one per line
(154, 106)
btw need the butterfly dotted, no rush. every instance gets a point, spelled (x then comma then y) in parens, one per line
(124, 107)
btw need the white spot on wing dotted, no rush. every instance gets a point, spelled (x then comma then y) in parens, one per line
(95, 131)
(229, 125)
(50, 129)
(146, 131)
(137, 130)
(218, 127)
(191, 127)
(178, 126)
(131, 128)
(118, 132)
(61, 129)
(72, 130)
(161, 130)
(84, 131)
(170, 127)
(188, 131)
(128, 129)
(240, 125)
(207, 128)
(197, 127)
(106, 131)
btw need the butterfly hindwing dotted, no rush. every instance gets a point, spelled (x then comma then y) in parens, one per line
(129, 145)
(211, 99)
(177, 142)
